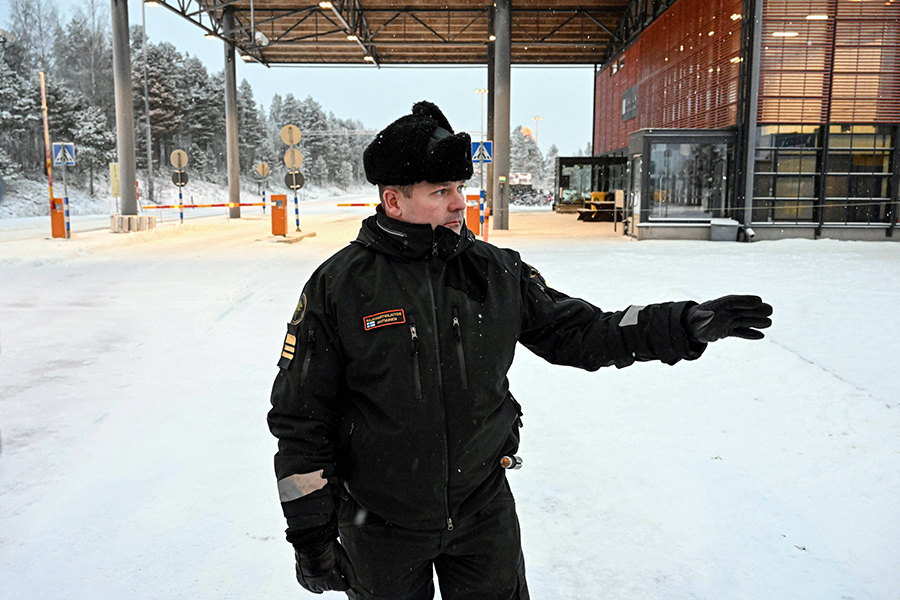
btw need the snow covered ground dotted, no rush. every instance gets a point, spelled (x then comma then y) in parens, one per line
(136, 462)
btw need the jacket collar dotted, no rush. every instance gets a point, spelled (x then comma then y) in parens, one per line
(411, 241)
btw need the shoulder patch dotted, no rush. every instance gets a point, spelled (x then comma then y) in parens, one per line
(388, 317)
(536, 275)
(300, 311)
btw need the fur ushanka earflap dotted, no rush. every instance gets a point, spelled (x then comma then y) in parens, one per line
(419, 147)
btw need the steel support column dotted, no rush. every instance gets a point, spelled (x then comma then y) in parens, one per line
(231, 122)
(502, 58)
(752, 110)
(121, 50)
(894, 197)
(489, 191)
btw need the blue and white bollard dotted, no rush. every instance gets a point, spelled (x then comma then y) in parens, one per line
(481, 214)
(296, 210)
(180, 206)
(66, 215)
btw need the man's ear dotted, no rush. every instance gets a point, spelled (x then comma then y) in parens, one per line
(391, 201)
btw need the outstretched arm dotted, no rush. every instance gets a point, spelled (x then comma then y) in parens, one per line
(573, 332)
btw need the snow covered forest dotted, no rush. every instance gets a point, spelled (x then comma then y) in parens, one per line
(186, 104)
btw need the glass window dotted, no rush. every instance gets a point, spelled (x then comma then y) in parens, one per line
(807, 187)
(788, 162)
(764, 186)
(787, 187)
(762, 211)
(575, 186)
(857, 186)
(764, 136)
(839, 162)
(687, 180)
(875, 162)
(793, 211)
(797, 137)
(836, 186)
(808, 163)
(795, 162)
(764, 161)
(835, 212)
(868, 186)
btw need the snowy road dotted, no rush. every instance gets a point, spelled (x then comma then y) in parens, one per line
(136, 463)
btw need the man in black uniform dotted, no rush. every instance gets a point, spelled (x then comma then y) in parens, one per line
(392, 407)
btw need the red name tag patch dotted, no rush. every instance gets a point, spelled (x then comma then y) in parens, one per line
(388, 317)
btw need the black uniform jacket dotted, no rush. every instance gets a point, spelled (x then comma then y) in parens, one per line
(392, 381)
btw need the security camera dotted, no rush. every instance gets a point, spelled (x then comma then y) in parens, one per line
(749, 234)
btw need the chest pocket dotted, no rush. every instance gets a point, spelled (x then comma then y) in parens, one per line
(460, 352)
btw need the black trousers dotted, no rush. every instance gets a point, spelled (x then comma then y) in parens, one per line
(481, 559)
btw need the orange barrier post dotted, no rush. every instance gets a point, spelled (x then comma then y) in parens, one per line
(57, 219)
(279, 214)
(487, 222)
(473, 221)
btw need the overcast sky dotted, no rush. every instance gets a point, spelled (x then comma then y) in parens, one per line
(561, 95)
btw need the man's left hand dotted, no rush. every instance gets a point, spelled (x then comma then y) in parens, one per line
(729, 316)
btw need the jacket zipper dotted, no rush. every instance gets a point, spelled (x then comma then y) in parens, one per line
(459, 350)
(310, 338)
(440, 378)
(415, 354)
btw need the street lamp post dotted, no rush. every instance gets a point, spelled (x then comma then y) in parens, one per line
(536, 120)
(147, 102)
(481, 92)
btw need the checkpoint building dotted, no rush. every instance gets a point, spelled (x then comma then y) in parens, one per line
(783, 115)
(772, 118)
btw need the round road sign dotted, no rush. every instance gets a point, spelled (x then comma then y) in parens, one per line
(293, 158)
(290, 135)
(294, 180)
(179, 159)
(262, 169)
(180, 178)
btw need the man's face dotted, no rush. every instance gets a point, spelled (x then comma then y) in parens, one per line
(431, 203)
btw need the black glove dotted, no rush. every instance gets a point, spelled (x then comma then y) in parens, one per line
(735, 316)
(324, 568)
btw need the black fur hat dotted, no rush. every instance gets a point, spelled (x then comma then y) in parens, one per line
(419, 147)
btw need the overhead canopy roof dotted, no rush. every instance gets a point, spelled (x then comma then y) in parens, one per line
(391, 32)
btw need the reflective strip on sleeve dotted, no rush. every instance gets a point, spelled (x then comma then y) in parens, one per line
(297, 486)
(631, 316)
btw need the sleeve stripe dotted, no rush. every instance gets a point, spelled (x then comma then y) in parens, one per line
(631, 316)
(297, 486)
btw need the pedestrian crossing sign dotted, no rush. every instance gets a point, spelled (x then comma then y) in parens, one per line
(64, 154)
(482, 152)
